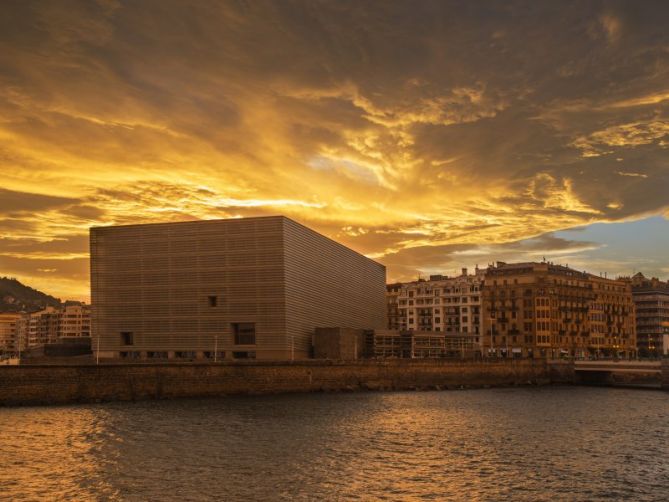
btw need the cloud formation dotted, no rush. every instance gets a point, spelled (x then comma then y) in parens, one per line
(400, 129)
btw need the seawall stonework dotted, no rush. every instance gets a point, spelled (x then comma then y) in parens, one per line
(29, 385)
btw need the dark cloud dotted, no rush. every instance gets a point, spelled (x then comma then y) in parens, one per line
(13, 201)
(400, 128)
(409, 263)
(63, 246)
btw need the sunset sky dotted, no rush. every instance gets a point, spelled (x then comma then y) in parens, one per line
(427, 135)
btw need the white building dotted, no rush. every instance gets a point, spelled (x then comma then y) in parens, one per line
(443, 304)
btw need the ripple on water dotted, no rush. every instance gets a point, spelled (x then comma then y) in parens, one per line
(500, 444)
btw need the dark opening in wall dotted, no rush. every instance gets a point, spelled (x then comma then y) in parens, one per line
(127, 338)
(244, 333)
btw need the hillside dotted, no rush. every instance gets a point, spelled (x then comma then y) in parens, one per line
(17, 297)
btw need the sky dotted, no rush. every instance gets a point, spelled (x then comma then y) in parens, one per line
(427, 135)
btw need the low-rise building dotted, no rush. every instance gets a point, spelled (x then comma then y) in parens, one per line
(392, 343)
(351, 344)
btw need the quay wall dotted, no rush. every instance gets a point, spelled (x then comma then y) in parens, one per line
(53, 384)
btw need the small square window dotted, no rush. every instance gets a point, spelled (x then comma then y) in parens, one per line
(127, 338)
(213, 300)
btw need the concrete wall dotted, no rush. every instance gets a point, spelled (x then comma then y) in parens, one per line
(328, 284)
(28, 385)
(343, 344)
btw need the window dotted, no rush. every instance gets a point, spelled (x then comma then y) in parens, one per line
(213, 301)
(127, 338)
(244, 355)
(244, 333)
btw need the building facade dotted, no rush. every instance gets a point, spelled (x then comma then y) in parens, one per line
(651, 298)
(236, 288)
(443, 304)
(393, 343)
(74, 320)
(9, 324)
(547, 310)
(351, 344)
(43, 327)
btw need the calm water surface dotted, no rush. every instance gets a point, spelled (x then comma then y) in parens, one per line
(500, 444)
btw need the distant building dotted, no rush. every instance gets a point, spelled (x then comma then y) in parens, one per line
(236, 288)
(651, 297)
(8, 332)
(440, 304)
(43, 326)
(74, 320)
(547, 310)
(20, 331)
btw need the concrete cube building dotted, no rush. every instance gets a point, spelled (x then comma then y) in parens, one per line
(234, 288)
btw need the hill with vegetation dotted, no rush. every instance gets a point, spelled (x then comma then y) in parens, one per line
(17, 297)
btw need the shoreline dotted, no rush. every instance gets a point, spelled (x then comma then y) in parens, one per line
(50, 384)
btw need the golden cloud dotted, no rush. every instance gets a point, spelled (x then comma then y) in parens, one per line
(389, 127)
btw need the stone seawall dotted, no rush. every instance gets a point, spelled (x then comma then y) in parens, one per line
(36, 385)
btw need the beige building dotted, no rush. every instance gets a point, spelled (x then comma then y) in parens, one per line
(9, 323)
(450, 305)
(74, 320)
(236, 288)
(547, 310)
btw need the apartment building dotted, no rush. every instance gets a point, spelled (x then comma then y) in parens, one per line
(548, 310)
(74, 320)
(651, 299)
(441, 304)
(8, 332)
(42, 327)
(234, 289)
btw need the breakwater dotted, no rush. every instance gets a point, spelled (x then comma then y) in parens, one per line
(37, 385)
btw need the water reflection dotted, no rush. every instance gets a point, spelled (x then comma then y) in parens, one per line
(503, 444)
